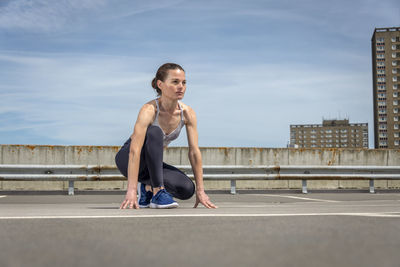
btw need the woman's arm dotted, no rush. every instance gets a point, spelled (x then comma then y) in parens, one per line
(144, 119)
(195, 158)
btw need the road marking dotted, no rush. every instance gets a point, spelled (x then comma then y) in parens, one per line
(304, 198)
(2, 196)
(366, 214)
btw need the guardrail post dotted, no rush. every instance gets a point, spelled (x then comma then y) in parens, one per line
(233, 187)
(71, 188)
(304, 186)
(371, 186)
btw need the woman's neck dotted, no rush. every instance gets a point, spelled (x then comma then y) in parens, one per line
(169, 105)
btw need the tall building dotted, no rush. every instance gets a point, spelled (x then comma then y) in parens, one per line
(386, 79)
(331, 133)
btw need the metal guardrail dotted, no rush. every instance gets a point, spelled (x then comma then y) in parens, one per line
(73, 173)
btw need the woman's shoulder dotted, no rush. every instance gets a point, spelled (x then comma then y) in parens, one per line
(150, 106)
(148, 110)
(188, 112)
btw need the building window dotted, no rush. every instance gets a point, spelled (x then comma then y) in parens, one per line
(393, 39)
(381, 79)
(395, 87)
(396, 118)
(380, 64)
(395, 102)
(394, 63)
(394, 78)
(381, 87)
(381, 103)
(382, 126)
(395, 110)
(381, 71)
(380, 56)
(396, 135)
(396, 126)
(396, 142)
(396, 94)
(383, 95)
(394, 71)
(380, 39)
(394, 55)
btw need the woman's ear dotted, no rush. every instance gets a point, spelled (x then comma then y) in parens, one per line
(159, 84)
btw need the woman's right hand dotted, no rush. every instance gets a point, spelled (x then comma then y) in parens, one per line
(130, 201)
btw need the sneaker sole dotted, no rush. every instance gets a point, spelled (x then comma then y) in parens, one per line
(167, 206)
(144, 206)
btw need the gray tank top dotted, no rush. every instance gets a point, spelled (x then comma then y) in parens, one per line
(175, 133)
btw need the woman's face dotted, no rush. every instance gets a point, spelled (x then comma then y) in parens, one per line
(174, 86)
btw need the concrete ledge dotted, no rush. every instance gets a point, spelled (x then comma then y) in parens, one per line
(104, 155)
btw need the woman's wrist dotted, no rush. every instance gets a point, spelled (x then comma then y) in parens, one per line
(131, 189)
(199, 189)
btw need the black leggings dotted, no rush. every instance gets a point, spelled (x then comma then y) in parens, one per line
(153, 171)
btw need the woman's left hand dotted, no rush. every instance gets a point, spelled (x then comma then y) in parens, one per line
(201, 197)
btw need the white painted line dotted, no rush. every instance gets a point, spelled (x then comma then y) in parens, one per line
(304, 198)
(366, 214)
(2, 196)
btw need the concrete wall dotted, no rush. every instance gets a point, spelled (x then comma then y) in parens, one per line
(104, 155)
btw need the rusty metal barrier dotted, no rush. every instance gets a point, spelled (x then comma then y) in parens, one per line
(73, 173)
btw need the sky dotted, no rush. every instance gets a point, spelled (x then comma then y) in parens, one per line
(76, 72)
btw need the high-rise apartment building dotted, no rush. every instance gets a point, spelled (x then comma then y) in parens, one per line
(331, 133)
(386, 79)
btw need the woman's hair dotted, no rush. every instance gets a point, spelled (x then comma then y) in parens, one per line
(162, 74)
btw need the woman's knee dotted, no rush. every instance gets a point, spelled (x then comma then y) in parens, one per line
(121, 160)
(187, 190)
(154, 133)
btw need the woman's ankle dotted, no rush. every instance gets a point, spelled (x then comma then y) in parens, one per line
(148, 188)
(156, 189)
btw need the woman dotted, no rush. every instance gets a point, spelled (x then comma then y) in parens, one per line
(141, 157)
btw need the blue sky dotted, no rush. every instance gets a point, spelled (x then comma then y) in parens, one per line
(76, 72)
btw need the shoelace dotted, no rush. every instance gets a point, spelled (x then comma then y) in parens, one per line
(158, 195)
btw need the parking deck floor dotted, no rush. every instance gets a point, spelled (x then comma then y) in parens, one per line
(317, 229)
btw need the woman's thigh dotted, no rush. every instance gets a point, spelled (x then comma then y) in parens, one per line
(177, 183)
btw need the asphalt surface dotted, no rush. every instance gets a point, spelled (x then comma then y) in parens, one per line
(329, 229)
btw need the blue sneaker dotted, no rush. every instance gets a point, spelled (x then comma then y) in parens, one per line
(144, 197)
(163, 200)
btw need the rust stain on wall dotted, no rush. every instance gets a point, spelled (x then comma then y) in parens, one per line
(31, 147)
(225, 149)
